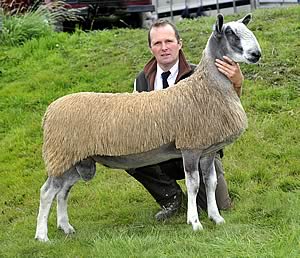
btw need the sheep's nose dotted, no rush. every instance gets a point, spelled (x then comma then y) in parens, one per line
(255, 56)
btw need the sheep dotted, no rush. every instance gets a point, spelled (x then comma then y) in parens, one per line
(193, 120)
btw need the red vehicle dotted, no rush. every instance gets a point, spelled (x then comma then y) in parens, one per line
(129, 12)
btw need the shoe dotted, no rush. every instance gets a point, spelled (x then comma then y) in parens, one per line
(170, 209)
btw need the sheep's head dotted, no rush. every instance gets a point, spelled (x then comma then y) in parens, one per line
(236, 41)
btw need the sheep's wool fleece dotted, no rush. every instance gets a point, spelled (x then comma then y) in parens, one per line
(193, 114)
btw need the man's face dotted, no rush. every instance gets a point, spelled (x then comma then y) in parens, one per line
(164, 46)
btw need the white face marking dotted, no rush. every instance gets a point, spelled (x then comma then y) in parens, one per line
(248, 42)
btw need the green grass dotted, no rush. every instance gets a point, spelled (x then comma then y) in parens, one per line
(113, 214)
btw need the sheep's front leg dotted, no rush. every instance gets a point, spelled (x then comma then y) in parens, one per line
(48, 191)
(68, 180)
(210, 181)
(192, 180)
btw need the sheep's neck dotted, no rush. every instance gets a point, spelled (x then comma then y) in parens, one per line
(207, 64)
(208, 68)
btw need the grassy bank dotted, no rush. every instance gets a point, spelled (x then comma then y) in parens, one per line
(113, 214)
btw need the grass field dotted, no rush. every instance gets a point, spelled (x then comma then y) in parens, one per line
(113, 214)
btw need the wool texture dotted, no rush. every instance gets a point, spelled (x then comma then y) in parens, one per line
(195, 114)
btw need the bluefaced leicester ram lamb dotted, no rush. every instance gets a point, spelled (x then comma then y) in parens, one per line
(198, 117)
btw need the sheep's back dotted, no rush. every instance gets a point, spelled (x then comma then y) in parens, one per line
(80, 125)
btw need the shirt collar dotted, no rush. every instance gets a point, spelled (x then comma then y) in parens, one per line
(173, 70)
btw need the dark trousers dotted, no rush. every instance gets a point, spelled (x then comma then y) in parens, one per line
(160, 181)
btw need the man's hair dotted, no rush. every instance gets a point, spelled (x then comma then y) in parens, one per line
(161, 23)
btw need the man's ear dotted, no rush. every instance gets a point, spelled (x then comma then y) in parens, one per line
(246, 19)
(180, 43)
(219, 23)
(150, 49)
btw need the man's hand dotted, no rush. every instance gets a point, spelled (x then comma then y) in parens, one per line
(232, 71)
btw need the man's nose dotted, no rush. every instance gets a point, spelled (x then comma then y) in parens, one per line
(164, 45)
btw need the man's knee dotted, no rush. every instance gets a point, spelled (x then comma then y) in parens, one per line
(218, 166)
(131, 171)
(222, 195)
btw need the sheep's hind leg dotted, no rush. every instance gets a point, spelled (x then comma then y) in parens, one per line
(47, 193)
(85, 170)
(192, 180)
(68, 180)
(210, 181)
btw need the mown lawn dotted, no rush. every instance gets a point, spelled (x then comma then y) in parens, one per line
(113, 214)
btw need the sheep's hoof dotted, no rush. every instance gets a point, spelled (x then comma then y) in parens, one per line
(42, 239)
(67, 229)
(220, 221)
(217, 219)
(197, 226)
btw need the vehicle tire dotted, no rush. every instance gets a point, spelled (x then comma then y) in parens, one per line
(134, 20)
(140, 20)
(69, 26)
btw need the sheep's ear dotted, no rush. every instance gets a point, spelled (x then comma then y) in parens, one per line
(246, 19)
(219, 23)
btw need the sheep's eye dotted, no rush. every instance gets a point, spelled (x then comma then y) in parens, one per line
(233, 40)
(229, 31)
(231, 35)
